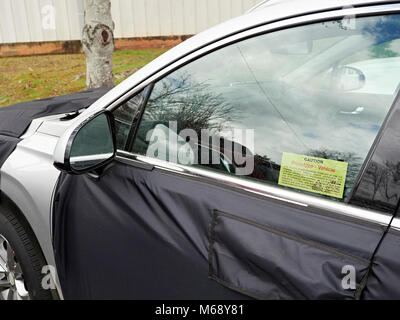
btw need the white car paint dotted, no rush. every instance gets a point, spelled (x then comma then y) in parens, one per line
(28, 178)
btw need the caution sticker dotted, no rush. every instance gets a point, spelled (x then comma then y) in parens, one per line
(322, 176)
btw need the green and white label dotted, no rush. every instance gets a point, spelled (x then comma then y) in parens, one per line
(322, 176)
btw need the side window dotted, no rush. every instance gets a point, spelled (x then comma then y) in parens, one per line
(125, 116)
(299, 108)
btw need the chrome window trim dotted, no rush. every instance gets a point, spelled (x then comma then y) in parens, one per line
(265, 190)
(375, 9)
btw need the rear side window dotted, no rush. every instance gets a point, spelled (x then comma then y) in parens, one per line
(298, 108)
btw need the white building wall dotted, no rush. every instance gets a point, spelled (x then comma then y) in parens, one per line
(56, 20)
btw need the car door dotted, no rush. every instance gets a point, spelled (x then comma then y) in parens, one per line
(236, 173)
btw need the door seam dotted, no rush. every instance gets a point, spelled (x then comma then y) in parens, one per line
(289, 236)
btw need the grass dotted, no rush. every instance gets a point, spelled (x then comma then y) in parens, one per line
(37, 77)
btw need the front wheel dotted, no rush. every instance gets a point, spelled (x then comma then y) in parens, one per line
(21, 260)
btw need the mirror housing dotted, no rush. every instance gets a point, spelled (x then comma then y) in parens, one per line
(347, 78)
(88, 146)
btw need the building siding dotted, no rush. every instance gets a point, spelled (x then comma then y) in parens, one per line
(62, 20)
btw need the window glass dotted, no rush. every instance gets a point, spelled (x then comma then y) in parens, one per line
(299, 108)
(124, 117)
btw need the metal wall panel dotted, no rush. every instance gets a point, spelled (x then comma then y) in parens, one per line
(75, 18)
(34, 19)
(20, 20)
(62, 21)
(59, 20)
(139, 19)
(49, 17)
(7, 24)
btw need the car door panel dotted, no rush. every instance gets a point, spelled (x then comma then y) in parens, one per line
(129, 243)
(271, 264)
(379, 188)
(141, 234)
(384, 279)
(146, 232)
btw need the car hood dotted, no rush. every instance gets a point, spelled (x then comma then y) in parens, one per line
(45, 116)
(16, 119)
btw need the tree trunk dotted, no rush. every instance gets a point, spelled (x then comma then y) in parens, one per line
(98, 44)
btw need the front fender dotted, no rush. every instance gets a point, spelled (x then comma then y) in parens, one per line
(28, 178)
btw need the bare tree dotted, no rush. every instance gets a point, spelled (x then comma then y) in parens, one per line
(355, 164)
(98, 44)
(192, 104)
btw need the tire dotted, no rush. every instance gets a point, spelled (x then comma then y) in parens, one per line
(20, 276)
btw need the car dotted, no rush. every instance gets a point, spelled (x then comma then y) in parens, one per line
(259, 159)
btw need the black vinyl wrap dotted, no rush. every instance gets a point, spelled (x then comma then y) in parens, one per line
(7, 146)
(384, 280)
(139, 234)
(15, 119)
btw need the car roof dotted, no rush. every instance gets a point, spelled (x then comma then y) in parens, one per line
(264, 13)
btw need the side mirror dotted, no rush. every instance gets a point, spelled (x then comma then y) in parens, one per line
(348, 79)
(90, 146)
